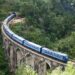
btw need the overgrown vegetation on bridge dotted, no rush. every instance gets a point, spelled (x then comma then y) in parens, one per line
(26, 70)
(47, 23)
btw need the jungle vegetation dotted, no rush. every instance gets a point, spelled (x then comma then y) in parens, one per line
(47, 22)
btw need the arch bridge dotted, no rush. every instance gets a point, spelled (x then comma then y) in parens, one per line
(19, 50)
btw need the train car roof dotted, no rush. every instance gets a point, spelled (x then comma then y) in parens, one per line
(18, 36)
(32, 43)
(55, 51)
(7, 28)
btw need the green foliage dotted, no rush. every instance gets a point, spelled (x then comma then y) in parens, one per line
(47, 24)
(66, 45)
(69, 70)
(25, 70)
(48, 16)
(2, 1)
(32, 34)
(3, 62)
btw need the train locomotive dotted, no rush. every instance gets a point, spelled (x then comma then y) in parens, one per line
(61, 57)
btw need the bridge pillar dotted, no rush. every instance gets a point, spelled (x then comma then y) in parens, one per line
(6, 46)
(37, 64)
(30, 60)
(42, 68)
(12, 58)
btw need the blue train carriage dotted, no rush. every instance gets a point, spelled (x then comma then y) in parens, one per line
(55, 55)
(18, 39)
(9, 18)
(8, 31)
(32, 46)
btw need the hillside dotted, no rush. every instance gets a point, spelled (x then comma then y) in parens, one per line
(47, 22)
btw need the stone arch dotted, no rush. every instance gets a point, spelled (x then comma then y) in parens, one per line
(48, 64)
(29, 59)
(51, 65)
(20, 55)
(6, 46)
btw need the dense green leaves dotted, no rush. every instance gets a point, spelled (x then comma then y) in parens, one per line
(3, 62)
(47, 24)
(2, 1)
(48, 16)
(69, 70)
(25, 70)
(66, 45)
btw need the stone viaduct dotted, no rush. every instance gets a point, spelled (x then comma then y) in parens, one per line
(16, 54)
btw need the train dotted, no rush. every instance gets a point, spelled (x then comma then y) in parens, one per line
(61, 57)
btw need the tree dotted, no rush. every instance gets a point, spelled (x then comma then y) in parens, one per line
(2, 1)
